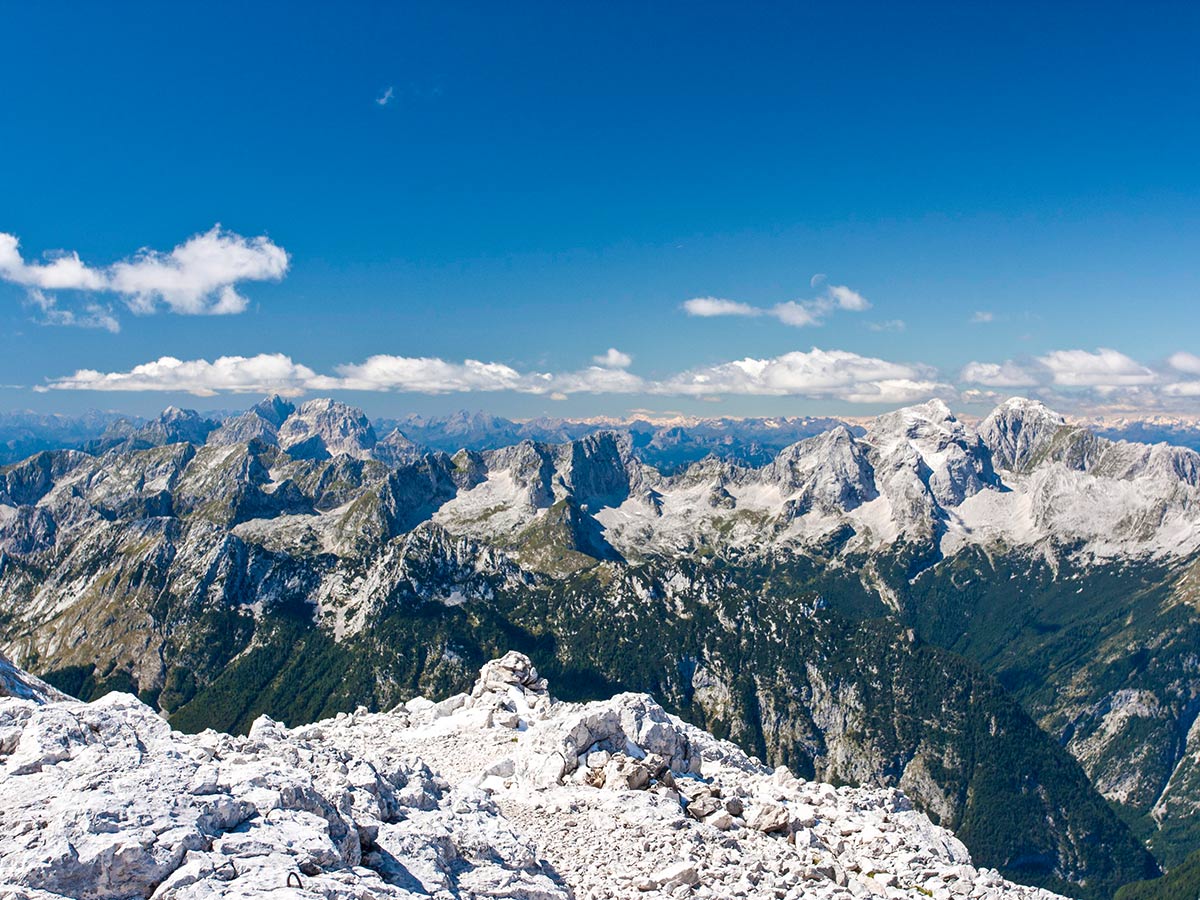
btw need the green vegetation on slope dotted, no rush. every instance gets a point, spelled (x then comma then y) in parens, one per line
(1181, 883)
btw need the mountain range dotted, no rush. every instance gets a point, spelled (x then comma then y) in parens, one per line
(999, 618)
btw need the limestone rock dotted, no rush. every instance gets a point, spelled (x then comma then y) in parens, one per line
(105, 801)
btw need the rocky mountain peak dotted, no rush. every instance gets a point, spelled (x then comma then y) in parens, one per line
(828, 473)
(273, 409)
(172, 426)
(915, 418)
(1019, 431)
(260, 422)
(927, 444)
(322, 428)
(395, 448)
(599, 469)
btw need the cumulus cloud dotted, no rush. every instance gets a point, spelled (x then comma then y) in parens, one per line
(1007, 374)
(817, 374)
(1069, 378)
(599, 380)
(64, 270)
(198, 277)
(844, 298)
(796, 313)
(262, 374)
(1182, 389)
(430, 375)
(1103, 368)
(983, 317)
(1185, 362)
(613, 359)
(706, 307)
(836, 374)
(894, 325)
(1074, 377)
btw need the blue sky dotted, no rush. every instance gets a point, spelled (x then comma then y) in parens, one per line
(548, 181)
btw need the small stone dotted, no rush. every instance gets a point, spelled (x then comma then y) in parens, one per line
(702, 807)
(623, 773)
(598, 759)
(768, 818)
(679, 873)
(721, 820)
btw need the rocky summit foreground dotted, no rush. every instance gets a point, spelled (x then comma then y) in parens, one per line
(499, 793)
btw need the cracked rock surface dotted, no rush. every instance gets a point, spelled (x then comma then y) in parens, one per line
(499, 793)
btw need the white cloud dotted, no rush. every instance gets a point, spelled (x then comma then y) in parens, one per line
(262, 374)
(1007, 374)
(430, 375)
(386, 97)
(64, 271)
(1103, 379)
(1182, 389)
(977, 397)
(1185, 362)
(983, 317)
(1104, 368)
(1070, 378)
(796, 313)
(818, 373)
(1189, 364)
(613, 359)
(92, 315)
(197, 277)
(845, 298)
(597, 380)
(889, 325)
(706, 307)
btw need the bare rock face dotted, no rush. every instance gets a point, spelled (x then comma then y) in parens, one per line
(15, 682)
(395, 449)
(320, 429)
(828, 474)
(260, 422)
(613, 799)
(1019, 432)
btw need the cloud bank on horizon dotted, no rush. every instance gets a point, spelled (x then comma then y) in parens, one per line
(1063, 377)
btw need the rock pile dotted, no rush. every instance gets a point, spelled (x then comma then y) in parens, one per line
(499, 793)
